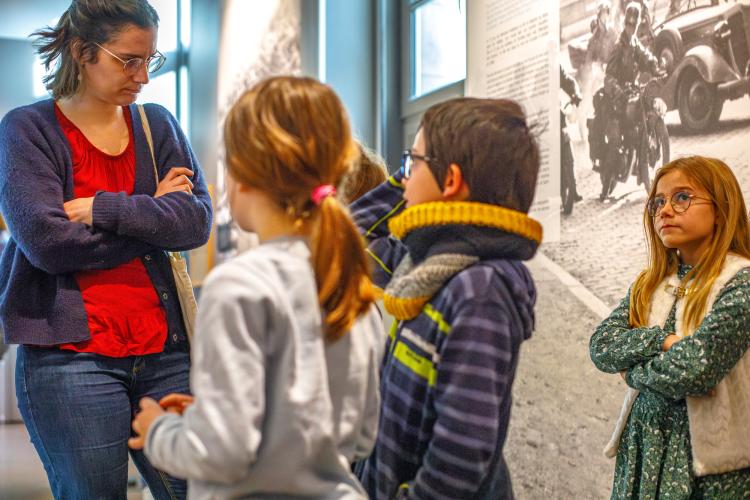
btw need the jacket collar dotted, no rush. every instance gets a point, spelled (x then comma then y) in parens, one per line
(475, 229)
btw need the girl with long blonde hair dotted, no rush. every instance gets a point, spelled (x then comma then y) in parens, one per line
(288, 339)
(680, 340)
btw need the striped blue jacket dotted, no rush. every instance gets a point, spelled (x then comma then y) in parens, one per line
(447, 374)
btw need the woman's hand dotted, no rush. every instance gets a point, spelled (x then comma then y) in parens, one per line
(150, 410)
(176, 403)
(671, 340)
(80, 210)
(176, 180)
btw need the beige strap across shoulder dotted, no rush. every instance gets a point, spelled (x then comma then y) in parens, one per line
(149, 139)
(183, 283)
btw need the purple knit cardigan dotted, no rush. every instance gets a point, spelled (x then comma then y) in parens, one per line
(40, 302)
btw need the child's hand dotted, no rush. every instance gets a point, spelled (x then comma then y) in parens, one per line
(671, 340)
(150, 410)
(176, 403)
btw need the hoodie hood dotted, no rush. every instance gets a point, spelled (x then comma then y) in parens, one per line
(522, 293)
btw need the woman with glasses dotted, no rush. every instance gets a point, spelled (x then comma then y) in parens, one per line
(680, 341)
(87, 289)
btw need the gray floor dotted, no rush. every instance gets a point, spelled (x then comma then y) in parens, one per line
(21, 473)
(22, 476)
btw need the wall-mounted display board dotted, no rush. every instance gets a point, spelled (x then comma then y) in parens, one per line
(512, 53)
(695, 102)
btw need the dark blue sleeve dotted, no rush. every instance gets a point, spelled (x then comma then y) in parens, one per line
(371, 214)
(477, 365)
(32, 197)
(175, 221)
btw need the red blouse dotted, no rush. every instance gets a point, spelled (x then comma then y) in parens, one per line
(125, 316)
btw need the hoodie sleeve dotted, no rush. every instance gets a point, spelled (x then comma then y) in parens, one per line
(615, 346)
(695, 364)
(369, 430)
(175, 221)
(371, 418)
(217, 438)
(477, 363)
(371, 214)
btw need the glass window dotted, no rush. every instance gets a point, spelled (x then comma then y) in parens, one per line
(167, 10)
(439, 45)
(169, 87)
(184, 100)
(38, 74)
(161, 90)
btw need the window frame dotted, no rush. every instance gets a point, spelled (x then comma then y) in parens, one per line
(413, 107)
(177, 62)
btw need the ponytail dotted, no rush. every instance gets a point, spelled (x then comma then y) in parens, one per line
(341, 268)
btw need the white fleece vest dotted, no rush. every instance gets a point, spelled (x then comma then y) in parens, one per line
(719, 424)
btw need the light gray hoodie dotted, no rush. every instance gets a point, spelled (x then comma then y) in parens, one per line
(279, 413)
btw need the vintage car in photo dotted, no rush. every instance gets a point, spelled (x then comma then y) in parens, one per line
(705, 48)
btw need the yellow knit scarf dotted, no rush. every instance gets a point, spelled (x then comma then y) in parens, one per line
(411, 286)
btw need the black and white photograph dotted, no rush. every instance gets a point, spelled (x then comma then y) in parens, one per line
(640, 83)
(676, 84)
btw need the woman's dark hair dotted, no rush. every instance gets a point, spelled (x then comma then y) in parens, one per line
(491, 142)
(83, 25)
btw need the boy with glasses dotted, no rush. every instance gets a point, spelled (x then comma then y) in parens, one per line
(448, 235)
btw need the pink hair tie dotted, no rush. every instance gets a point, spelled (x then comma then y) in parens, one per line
(321, 192)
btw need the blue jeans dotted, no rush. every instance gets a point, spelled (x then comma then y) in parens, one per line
(78, 408)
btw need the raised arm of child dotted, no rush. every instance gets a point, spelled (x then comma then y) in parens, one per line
(371, 214)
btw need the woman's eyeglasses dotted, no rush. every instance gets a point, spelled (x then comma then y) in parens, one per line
(134, 65)
(407, 162)
(680, 202)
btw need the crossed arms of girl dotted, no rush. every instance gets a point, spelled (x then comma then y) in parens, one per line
(658, 360)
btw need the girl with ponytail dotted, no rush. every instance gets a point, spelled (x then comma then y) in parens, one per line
(87, 286)
(288, 338)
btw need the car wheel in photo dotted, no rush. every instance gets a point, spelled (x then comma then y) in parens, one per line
(698, 103)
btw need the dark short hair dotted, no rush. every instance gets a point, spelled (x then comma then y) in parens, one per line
(86, 22)
(491, 142)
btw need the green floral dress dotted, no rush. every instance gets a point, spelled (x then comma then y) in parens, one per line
(654, 459)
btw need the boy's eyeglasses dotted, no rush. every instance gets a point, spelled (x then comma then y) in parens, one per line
(407, 162)
(134, 65)
(680, 202)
